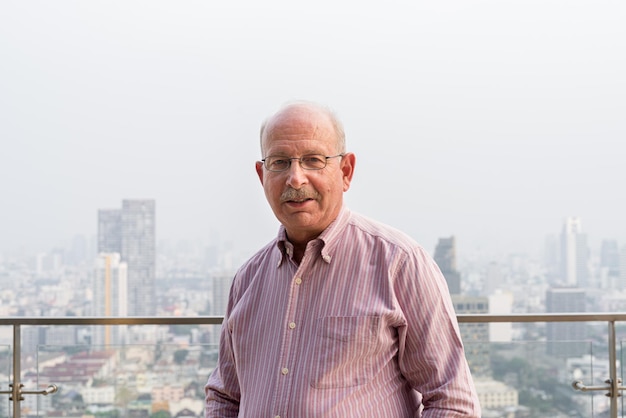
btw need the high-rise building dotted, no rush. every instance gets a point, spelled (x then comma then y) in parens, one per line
(574, 253)
(609, 256)
(445, 257)
(609, 273)
(109, 231)
(139, 252)
(130, 231)
(551, 259)
(475, 336)
(221, 287)
(566, 339)
(110, 298)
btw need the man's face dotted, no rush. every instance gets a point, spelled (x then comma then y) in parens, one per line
(304, 201)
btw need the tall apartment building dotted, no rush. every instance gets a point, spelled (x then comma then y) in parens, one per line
(221, 287)
(475, 336)
(609, 256)
(110, 298)
(109, 231)
(445, 257)
(574, 253)
(139, 252)
(566, 339)
(130, 231)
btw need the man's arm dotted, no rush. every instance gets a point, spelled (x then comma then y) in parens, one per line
(222, 389)
(431, 354)
(218, 404)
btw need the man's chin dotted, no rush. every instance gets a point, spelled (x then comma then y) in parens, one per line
(298, 219)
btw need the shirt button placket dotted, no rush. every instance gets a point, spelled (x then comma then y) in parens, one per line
(291, 325)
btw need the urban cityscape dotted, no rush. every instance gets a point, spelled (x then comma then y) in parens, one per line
(520, 370)
(491, 132)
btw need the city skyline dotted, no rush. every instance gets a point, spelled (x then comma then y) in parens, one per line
(485, 120)
(92, 240)
(130, 232)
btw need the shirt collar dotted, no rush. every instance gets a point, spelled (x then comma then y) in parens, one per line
(328, 238)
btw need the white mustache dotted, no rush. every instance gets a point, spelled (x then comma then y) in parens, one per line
(298, 195)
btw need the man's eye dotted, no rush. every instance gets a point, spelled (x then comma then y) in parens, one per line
(279, 163)
(314, 161)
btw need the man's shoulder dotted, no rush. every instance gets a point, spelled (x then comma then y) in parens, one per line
(361, 224)
(375, 228)
(263, 255)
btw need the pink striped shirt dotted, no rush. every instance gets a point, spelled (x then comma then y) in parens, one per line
(362, 327)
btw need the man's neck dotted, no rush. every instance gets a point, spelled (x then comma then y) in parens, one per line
(299, 246)
(298, 253)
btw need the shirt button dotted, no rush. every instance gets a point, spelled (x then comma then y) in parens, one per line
(292, 325)
(326, 258)
(298, 280)
(284, 370)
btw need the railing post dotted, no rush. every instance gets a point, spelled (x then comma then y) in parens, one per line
(614, 380)
(16, 391)
(614, 383)
(17, 370)
(15, 386)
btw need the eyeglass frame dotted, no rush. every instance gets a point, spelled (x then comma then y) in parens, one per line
(299, 159)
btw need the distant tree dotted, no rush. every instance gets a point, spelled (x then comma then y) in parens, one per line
(124, 396)
(181, 329)
(74, 349)
(180, 356)
(108, 414)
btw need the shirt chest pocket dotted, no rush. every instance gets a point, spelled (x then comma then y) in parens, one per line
(344, 354)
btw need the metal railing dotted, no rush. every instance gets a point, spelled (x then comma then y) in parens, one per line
(613, 383)
(17, 392)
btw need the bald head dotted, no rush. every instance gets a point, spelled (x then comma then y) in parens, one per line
(305, 113)
(305, 199)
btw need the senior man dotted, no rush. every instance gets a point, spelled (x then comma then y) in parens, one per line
(339, 315)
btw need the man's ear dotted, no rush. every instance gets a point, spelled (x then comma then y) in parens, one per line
(259, 170)
(348, 163)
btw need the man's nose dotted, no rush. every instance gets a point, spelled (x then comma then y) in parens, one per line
(296, 175)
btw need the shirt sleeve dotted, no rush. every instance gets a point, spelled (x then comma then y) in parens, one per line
(431, 354)
(222, 389)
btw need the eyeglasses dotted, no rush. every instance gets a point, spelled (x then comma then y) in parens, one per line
(307, 162)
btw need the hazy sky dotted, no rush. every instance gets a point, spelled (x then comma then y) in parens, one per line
(488, 120)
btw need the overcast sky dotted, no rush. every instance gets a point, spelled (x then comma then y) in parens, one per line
(488, 120)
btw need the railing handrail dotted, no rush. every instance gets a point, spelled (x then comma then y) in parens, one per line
(544, 317)
(216, 319)
(112, 320)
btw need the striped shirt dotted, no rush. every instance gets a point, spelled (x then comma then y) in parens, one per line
(362, 327)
